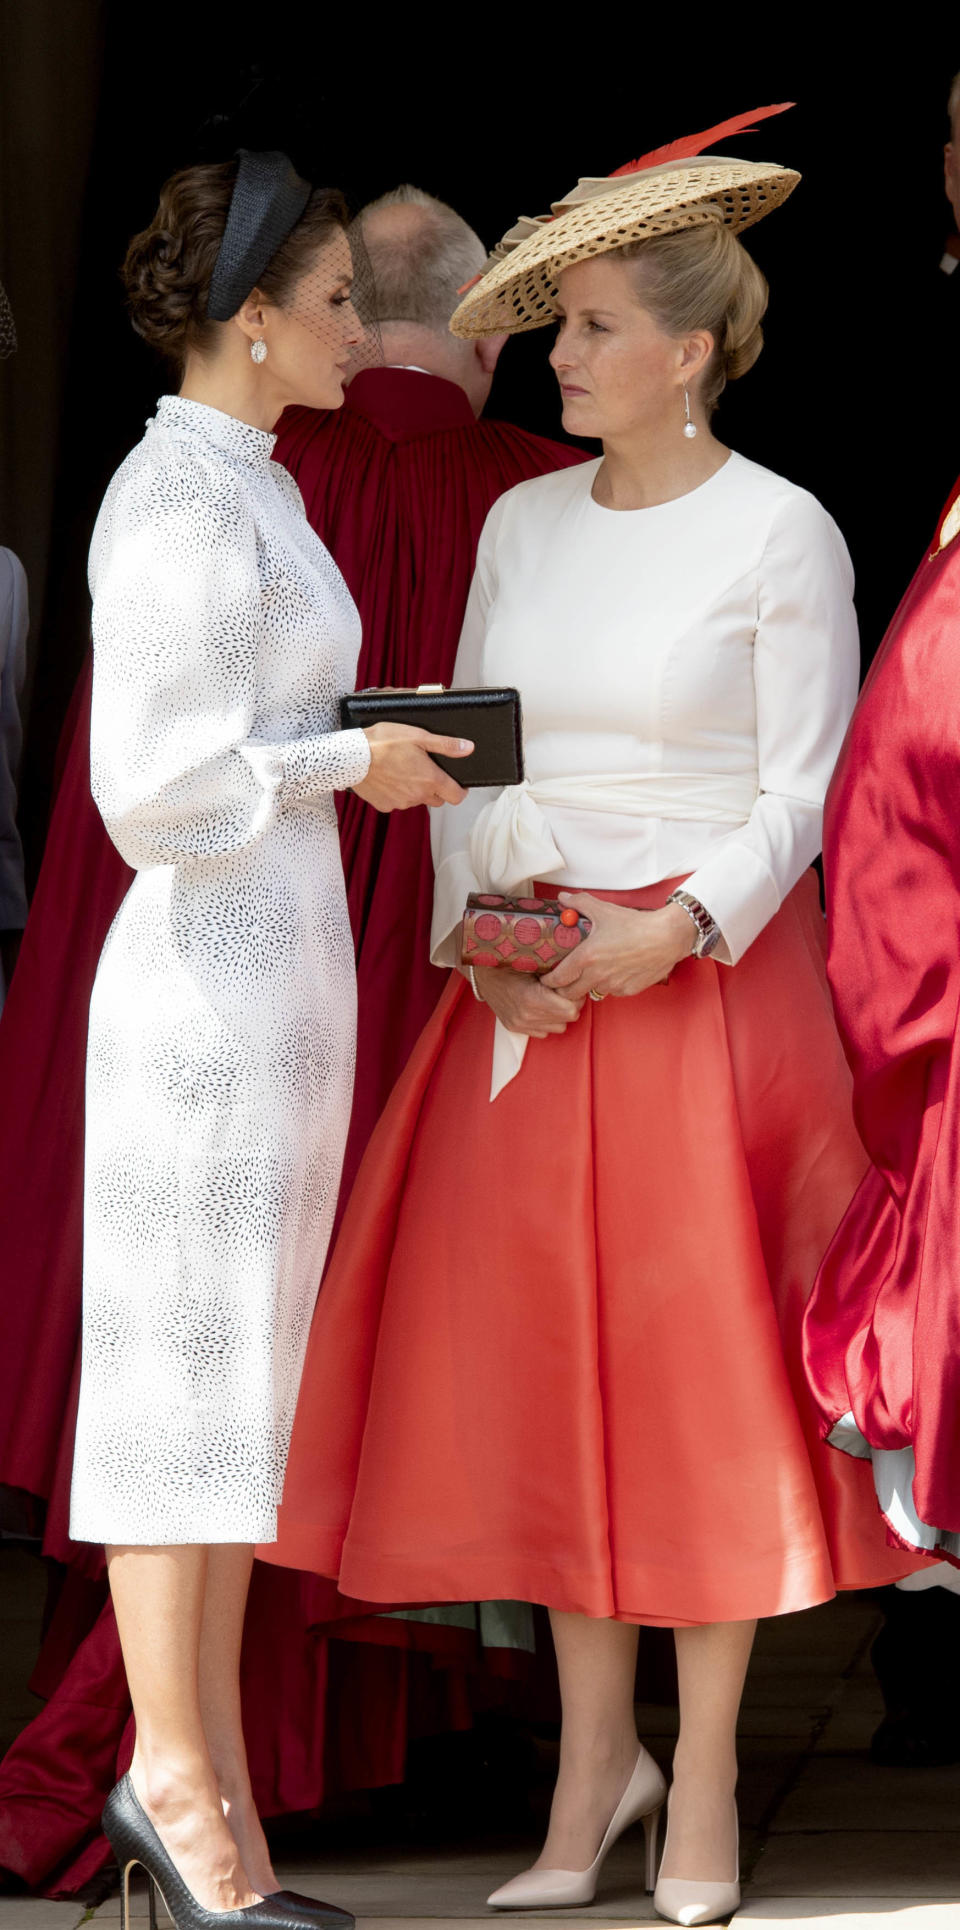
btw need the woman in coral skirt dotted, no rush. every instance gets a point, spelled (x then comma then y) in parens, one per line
(557, 1357)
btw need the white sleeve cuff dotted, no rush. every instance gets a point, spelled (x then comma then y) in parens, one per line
(740, 894)
(455, 880)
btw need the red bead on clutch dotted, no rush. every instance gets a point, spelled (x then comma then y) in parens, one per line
(525, 934)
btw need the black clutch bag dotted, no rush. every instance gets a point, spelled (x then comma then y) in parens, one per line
(490, 718)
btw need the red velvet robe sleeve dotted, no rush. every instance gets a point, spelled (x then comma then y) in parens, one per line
(43, 1045)
(882, 1334)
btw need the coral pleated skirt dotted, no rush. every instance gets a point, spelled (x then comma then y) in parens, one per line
(557, 1353)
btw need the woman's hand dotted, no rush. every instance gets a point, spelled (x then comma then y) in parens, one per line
(626, 952)
(403, 773)
(522, 1005)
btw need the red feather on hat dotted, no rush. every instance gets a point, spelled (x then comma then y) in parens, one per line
(696, 143)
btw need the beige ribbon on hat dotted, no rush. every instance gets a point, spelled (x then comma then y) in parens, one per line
(512, 845)
(589, 188)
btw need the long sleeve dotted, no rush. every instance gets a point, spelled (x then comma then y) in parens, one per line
(806, 665)
(452, 824)
(178, 772)
(13, 663)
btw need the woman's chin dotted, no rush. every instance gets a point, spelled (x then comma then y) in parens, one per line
(327, 394)
(578, 417)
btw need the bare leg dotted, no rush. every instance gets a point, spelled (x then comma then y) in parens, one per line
(597, 1665)
(158, 1596)
(228, 1579)
(711, 1666)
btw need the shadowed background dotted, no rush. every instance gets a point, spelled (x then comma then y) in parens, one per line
(855, 395)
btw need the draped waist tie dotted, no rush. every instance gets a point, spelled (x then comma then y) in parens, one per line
(512, 844)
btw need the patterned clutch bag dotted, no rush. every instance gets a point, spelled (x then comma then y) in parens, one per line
(525, 934)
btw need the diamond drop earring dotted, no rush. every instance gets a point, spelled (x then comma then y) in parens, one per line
(689, 428)
(258, 353)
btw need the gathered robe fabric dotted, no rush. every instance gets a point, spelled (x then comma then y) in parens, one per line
(882, 1330)
(13, 666)
(397, 484)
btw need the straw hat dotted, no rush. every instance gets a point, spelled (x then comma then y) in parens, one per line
(673, 187)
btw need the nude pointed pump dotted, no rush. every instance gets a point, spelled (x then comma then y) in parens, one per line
(642, 1800)
(681, 1900)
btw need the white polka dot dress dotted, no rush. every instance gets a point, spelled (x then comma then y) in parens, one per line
(222, 1022)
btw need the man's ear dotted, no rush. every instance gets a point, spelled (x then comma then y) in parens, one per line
(487, 349)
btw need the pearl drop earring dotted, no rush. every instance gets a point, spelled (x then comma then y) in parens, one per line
(258, 352)
(689, 428)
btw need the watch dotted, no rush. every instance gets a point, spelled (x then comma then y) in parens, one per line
(708, 931)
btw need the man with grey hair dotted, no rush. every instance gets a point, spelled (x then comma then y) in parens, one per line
(422, 253)
(398, 484)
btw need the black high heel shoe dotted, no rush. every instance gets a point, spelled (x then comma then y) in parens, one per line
(309, 1909)
(134, 1840)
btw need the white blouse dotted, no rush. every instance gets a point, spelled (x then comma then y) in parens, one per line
(704, 650)
(687, 673)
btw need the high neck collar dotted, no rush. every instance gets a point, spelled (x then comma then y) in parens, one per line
(238, 439)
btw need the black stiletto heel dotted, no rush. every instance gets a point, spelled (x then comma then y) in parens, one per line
(125, 1918)
(134, 1840)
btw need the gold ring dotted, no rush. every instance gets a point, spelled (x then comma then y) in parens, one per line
(597, 995)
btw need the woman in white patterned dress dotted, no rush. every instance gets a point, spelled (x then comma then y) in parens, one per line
(221, 1046)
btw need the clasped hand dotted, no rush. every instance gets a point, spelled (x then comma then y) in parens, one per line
(522, 1004)
(626, 952)
(402, 771)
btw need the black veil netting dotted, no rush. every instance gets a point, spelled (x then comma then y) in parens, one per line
(320, 308)
(335, 299)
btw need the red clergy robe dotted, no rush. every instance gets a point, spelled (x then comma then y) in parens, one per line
(882, 1331)
(397, 484)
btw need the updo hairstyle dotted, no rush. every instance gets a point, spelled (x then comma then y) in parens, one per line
(703, 277)
(168, 268)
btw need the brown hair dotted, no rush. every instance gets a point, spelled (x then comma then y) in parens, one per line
(168, 266)
(703, 277)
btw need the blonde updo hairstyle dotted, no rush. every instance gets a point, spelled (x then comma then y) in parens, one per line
(168, 267)
(704, 278)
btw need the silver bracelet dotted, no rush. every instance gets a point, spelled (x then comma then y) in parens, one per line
(706, 927)
(468, 969)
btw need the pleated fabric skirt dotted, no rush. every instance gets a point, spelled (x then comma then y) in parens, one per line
(557, 1353)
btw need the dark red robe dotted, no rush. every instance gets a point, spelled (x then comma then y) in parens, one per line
(397, 484)
(882, 1331)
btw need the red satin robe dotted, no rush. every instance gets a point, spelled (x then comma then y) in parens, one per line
(882, 1331)
(398, 484)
